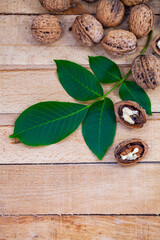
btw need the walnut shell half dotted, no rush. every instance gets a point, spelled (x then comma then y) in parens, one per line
(133, 2)
(87, 30)
(146, 71)
(56, 6)
(141, 20)
(130, 114)
(119, 42)
(130, 151)
(156, 44)
(110, 12)
(46, 28)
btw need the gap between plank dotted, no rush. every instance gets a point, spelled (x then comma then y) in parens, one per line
(81, 214)
(66, 164)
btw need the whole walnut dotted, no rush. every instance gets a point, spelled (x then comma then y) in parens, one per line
(110, 12)
(119, 42)
(141, 20)
(146, 71)
(87, 30)
(56, 6)
(133, 2)
(46, 28)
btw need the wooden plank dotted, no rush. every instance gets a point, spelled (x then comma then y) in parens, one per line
(80, 227)
(78, 7)
(22, 88)
(73, 149)
(18, 47)
(84, 189)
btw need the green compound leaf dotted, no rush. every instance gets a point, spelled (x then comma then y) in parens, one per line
(105, 70)
(46, 123)
(99, 127)
(131, 91)
(78, 82)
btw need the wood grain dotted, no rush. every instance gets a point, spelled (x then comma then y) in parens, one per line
(18, 47)
(73, 149)
(80, 227)
(78, 7)
(23, 88)
(85, 189)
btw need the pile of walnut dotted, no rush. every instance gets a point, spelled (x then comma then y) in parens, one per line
(88, 31)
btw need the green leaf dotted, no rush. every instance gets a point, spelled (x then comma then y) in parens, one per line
(131, 91)
(46, 123)
(99, 127)
(78, 82)
(105, 70)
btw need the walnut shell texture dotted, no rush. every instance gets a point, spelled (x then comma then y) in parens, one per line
(156, 44)
(110, 12)
(46, 28)
(119, 42)
(146, 71)
(56, 6)
(133, 2)
(90, 1)
(128, 146)
(141, 20)
(87, 30)
(139, 119)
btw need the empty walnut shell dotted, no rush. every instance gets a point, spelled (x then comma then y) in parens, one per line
(46, 29)
(130, 114)
(87, 30)
(146, 71)
(130, 151)
(56, 6)
(141, 20)
(133, 2)
(110, 12)
(156, 44)
(119, 42)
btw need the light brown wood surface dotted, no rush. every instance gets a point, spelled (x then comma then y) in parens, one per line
(80, 189)
(62, 191)
(80, 227)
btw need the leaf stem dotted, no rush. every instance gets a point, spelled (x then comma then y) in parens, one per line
(129, 72)
(148, 41)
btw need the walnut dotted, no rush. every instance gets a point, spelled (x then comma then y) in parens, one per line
(141, 20)
(110, 12)
(87, 30)
(56, 6)
(156, 44)
(119, 42)
(46, 29)
(90, 1)
(130, 114)
(130, 151)
(133, 2)
(146, 71)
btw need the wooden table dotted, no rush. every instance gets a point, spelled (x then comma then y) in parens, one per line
(62, 191)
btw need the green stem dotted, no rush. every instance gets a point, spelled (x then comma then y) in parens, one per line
(129, 72)
(148, 41)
